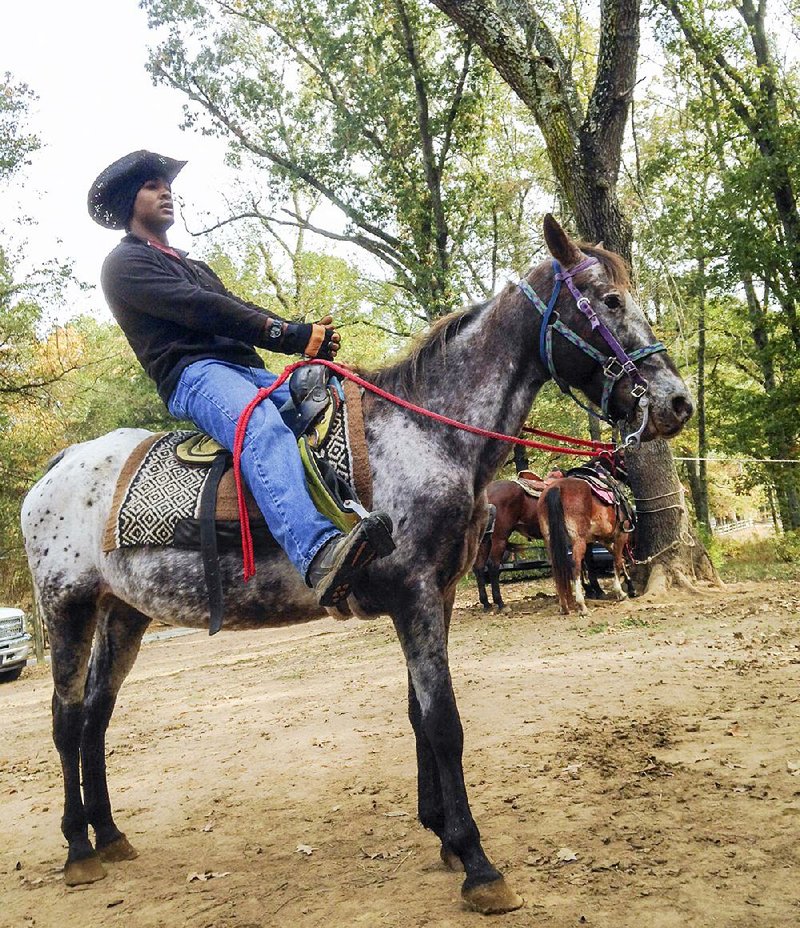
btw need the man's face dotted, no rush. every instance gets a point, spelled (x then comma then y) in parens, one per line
(152, 207)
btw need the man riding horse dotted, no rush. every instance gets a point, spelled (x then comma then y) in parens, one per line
(197, 341)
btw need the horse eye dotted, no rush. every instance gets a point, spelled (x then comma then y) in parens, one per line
(612, 300)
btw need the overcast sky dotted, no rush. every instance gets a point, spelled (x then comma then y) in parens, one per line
(85, 60)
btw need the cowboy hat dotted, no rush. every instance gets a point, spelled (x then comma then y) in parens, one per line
(112, 195)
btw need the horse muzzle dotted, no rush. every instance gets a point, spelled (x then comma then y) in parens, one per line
(669, 414)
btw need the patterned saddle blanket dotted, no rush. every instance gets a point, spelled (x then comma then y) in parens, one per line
(157, 499)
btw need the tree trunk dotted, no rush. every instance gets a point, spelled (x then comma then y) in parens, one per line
(701, 500)
(520, 458)
(594, 427)
(584, 147)
(667, 552)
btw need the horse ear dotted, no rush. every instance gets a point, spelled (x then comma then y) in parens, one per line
(561, 246)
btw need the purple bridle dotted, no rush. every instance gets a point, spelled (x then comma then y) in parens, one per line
(615, 366)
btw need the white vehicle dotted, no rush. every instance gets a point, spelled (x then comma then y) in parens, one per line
(14, 643)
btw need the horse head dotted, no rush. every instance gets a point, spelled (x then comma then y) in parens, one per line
(595, 337)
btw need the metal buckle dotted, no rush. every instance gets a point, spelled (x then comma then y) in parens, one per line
(610, 371)
(588, 310)
(634, 440)
(638, 390)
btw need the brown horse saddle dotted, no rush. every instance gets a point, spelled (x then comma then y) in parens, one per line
(608, 490)
(533, 484)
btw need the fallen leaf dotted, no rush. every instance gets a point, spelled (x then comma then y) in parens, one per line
(793, 767)
(305, 849)
(735, 731)
(565, 855)
(206, 875)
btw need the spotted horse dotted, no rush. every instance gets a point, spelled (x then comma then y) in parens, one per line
(482, 365)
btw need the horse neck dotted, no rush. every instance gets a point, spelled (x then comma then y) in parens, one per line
(487, 376)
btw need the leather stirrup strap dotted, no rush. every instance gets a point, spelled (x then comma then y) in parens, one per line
(208, 543)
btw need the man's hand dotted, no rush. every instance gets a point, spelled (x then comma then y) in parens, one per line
(324, 341)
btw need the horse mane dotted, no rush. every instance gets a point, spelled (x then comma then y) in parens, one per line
(616, 268)
(405, 374)
(427, 348)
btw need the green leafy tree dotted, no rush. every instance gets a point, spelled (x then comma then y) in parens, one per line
(378, 111)
(720, 184)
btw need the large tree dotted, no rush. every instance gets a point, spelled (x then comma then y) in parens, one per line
(584, 138)
(583, 128)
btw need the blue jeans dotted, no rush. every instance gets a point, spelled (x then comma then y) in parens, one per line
(212, 394)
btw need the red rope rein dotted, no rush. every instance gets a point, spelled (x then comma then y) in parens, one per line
(248, 555)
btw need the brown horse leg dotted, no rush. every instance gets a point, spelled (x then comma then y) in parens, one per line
(578, 554)
(422, 629)
(71, 625)
(479, 569)
(116, 647)
(499, 545)
(617, 550)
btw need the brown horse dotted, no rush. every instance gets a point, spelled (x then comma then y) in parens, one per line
(571, 517)
(515, 511)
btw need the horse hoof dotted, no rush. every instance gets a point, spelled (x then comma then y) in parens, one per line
(121, 849)
(86, 870)
(451, 860)
(492, 898)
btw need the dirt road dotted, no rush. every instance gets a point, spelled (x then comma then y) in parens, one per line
(637, 768)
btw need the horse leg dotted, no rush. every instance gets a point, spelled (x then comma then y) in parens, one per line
(499, 544)
(429, 790)
(479, 569)
(592, 588)
(617, 549)
(578, 554)
(443, 802)
(71, 624)
(116, 647)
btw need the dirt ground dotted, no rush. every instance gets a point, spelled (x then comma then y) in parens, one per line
(640, 767)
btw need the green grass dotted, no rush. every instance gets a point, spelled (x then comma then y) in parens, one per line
(776, 558)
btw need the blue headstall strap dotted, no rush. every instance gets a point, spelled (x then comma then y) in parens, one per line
(615, 366)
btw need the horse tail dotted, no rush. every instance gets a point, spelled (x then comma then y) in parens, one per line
(560, 555)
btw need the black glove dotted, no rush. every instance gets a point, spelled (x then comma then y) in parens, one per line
(316, 340)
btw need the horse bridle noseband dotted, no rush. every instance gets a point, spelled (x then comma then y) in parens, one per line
(615, 366)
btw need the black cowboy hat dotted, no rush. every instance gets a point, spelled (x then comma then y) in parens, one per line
(111, 196)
